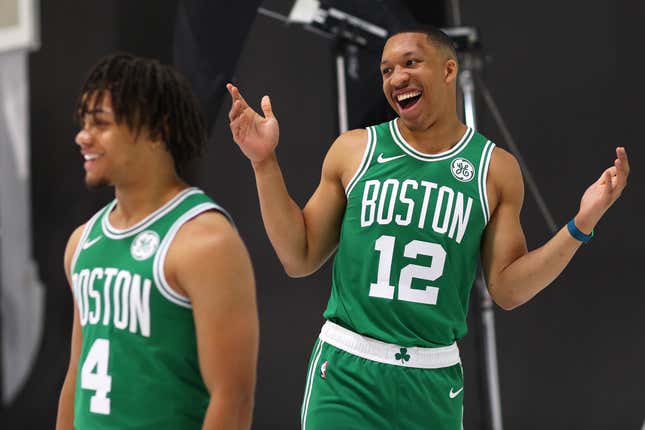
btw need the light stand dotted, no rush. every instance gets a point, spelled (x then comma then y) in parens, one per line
(467, 43)
(471, 64)
(348, 31)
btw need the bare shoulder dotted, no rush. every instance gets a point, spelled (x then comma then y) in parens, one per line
(503, 163)
(345, 155)
(70, 249)
(350, 142)
(504, 178)
(205, 246)
(209, 232)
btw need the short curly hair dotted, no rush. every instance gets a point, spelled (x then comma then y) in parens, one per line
(146, 93)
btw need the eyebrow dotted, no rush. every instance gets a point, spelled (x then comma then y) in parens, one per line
(98, 111)
(405, 55)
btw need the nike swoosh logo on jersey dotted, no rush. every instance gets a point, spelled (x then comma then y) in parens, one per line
(382, 159)
(89, 243)
(454, 394)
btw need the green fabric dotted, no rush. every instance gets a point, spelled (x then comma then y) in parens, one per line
(139, 354)
(412, 221)
(346, 392)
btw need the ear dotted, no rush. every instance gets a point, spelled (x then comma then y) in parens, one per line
(156, 140)
(450, 70)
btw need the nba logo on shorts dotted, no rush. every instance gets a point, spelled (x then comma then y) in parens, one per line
(323, 370)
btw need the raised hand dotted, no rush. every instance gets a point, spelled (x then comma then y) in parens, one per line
(604, 192)
(256, 135)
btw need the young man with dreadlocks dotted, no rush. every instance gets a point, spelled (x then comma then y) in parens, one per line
(165, 331)
(409, 207)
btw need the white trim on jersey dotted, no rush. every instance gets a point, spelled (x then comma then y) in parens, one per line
(481, 179)
(365, 162)
(408, 149)
(115, 233)
(81, 241)
(158, 266)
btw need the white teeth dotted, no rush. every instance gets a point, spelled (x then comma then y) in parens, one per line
(405, 96)
(89, 157)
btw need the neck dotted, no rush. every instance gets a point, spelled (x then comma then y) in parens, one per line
(137, 200)
(438, 137)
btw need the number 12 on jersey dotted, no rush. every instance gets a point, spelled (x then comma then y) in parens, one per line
(382, 288)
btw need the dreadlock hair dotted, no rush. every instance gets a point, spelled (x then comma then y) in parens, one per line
(147, 94)
(437, 37)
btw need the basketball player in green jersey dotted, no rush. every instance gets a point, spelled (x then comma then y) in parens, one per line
(165, 332)
(410, 207)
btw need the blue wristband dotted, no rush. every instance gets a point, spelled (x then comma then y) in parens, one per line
(577, 234)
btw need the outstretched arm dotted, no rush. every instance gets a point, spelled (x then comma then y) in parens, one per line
(302, 238)
(209, 263)
(515, 275)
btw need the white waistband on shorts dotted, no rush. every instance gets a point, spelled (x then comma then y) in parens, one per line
(375, 350)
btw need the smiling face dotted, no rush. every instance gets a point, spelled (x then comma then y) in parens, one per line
(111, 150)
(418, 79)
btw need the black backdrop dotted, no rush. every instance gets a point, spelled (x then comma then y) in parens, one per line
(566, 76)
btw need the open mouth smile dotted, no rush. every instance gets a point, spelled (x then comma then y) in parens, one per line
(407, 100)
(90, 159)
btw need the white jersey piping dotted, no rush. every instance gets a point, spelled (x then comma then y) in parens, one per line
(158, 266)
(115, 233)
(83, 238)
(482, 177)
(311, 377)
(365, 162)
(408, 149)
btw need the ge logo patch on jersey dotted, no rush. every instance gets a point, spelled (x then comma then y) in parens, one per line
(462, 169)
(144, 245)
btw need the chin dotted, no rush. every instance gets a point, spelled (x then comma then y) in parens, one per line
(95, 183)
(411, 123)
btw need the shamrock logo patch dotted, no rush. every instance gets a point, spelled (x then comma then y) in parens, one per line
(403, 355)
(144, 245)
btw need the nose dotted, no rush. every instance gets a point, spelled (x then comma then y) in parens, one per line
(83, 137)
(400, 77)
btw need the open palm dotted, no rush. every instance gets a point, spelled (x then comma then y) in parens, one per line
(606, 190)
(256, 135)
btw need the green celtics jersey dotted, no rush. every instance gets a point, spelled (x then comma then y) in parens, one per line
(410, 239)
(138, 367)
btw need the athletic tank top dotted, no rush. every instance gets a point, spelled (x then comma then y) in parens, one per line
(410, 239)
(138, 367)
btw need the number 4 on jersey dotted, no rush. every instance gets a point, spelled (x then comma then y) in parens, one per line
(382, 288)
(99, 380)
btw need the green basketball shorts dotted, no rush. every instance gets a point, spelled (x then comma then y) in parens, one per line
(359, 383)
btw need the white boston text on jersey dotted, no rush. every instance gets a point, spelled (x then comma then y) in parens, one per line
(124, 302)
(449, 210)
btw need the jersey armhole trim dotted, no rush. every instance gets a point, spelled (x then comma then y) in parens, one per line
(158, 266)
(482, 177)
(365, 162)
(86, 232)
